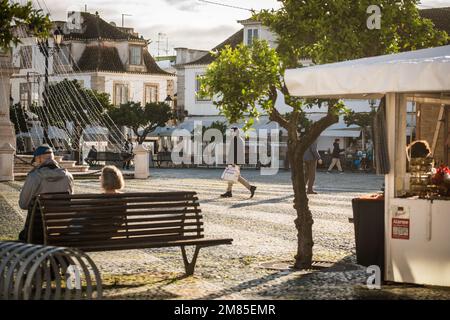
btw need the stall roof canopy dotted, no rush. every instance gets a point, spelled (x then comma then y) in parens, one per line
(426, 70)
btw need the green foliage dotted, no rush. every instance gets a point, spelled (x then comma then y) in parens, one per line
(68, 100)
(219, 125)
(136, 117)
(361, 119)
(335, 30)
(243, 78)
(16, 15)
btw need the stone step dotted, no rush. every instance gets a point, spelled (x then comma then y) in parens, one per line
(72, 169)
(67, 164)
(88, 174)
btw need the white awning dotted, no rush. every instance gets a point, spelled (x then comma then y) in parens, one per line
(425, 70)
(341, 133)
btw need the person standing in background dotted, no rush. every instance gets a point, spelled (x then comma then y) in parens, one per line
(311, 158)
(336, 158)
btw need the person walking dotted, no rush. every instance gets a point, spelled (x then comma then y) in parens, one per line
(46, 177)
(236, 156)
(336, 158)
(311, 158)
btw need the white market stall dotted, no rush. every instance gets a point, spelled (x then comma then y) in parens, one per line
(417, 229)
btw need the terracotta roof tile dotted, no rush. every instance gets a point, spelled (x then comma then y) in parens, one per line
(94, 27)
(101, 58)
(151, 65)
(439, 16)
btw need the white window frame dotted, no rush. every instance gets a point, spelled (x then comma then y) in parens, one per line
(252, 33)
(132, 62)
(124, 96)
(155, 94)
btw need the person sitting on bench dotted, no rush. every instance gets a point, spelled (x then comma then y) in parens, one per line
(112, 182)
(92, 156)
(46, 177)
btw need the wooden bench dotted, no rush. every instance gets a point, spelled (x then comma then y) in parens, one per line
(100, 222)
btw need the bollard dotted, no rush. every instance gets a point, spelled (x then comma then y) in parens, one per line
(141, 162)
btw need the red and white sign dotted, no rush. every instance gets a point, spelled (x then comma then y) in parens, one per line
(400, 228)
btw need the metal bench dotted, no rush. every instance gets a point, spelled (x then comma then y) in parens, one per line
(100, 222)
(108, 156)
(161, 157)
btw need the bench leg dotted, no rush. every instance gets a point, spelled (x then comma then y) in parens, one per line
(190, 266)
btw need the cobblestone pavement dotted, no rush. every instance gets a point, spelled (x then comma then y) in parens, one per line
(263, 233)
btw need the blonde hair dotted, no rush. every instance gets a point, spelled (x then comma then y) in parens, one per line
(112, 178)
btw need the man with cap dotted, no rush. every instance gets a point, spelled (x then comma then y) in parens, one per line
(46, 177)
(236, 156)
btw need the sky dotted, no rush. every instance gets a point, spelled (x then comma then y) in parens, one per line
(182, 23)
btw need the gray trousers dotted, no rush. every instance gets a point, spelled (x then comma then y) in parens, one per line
(310, 173)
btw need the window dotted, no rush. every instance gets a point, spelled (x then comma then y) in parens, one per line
(150, 93)
(24, 89)
(26, 57)
(198, 96)
(251, 35)
(135, 55)
(120, 94)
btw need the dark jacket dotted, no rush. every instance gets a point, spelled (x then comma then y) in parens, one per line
(311, 153)
(336, 150)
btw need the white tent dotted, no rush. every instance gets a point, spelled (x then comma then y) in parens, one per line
(426, 70)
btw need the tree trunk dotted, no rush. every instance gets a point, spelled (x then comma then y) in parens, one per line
(304, 220)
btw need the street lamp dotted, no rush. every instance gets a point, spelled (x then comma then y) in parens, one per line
(169, 101)
(372, 103)
(48, 51)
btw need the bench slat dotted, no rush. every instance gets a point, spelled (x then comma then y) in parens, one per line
(98, 220)
(145, 245)
(118, 208)
(95, 228)
(181, 232)
(56, 203)
(118, 195)
(134, 241)
(100, 215)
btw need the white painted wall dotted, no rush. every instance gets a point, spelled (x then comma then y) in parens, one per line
(191, 104)
(136, 84)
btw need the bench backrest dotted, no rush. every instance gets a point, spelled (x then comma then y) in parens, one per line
(86, 221)
(164, 156)
(108, 156)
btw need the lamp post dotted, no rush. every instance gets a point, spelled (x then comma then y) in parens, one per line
(372, 103)
(47, 52)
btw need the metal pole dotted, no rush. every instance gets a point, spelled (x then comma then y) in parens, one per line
(45, 100)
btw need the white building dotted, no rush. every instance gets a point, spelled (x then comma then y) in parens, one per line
(97, 54)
